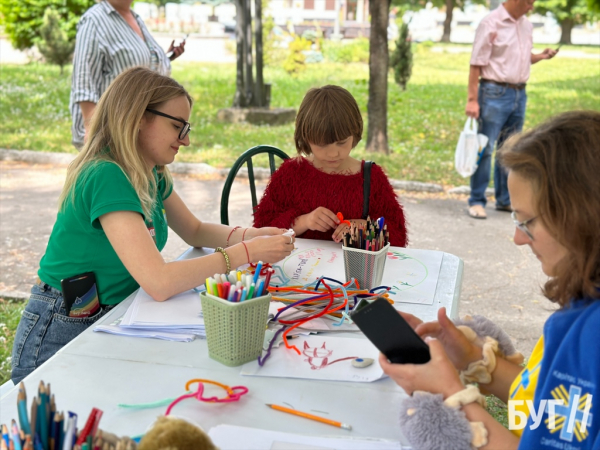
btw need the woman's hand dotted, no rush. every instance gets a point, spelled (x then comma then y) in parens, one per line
(264, 231)
(321, 219)
(459, 349)
(270, 249)
(438, 376)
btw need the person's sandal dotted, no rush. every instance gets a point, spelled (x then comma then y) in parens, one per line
(477, 212)
(505, 208)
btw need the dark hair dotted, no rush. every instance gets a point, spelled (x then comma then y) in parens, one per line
(561, 159)
(328, 114)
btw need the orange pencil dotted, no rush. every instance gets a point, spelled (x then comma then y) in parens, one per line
(345, 426)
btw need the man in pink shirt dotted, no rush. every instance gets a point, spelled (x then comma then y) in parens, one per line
(500, 65)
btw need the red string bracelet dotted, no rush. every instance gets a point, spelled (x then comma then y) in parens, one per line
(230, 233)
(243, 237)
(247, 254)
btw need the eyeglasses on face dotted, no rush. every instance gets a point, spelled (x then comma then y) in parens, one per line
(523, 225)
(186, 125)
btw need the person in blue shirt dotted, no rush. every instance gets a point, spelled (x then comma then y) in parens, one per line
(554, 184)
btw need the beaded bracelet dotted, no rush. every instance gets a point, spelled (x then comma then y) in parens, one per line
(230, 233)
(247, 254)
(226, 256)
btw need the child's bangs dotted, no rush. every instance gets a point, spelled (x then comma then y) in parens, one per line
(328, 130)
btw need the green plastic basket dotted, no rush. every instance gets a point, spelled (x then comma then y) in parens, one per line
(235, 331)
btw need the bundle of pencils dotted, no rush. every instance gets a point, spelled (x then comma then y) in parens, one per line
(48, 429)
(237, 287)
(373, 236)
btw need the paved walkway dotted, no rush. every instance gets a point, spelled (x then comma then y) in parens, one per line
(501, 281)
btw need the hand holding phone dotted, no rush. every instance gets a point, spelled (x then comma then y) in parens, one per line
(171, 53)
(390, 333)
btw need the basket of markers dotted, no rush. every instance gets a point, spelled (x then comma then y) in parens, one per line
(365, 249)
(235, 307)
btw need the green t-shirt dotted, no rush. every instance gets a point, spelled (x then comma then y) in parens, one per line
(78, 244)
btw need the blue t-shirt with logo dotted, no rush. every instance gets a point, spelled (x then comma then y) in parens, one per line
(569, 374)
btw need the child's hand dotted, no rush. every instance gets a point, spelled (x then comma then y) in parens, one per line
(321, 219)
(343, 228)
(438, 376)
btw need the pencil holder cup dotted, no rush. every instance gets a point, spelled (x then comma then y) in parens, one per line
(235, 331)
(364, 265)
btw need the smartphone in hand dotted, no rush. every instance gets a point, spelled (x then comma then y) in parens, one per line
(80, 295)
(171, 53)
(390, 333)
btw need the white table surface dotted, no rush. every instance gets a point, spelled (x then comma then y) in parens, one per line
(102, 370)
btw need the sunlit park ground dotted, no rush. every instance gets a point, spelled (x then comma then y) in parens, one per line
(423, 122)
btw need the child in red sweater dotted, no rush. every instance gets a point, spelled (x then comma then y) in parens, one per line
(308, 191)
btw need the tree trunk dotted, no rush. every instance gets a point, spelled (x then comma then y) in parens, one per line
(239, 99)
(378, 77)
(258, 37)
(448, 21)
(566, 26)
(249, 84)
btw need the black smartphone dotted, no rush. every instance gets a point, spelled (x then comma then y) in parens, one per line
(390, 333)
(80, 295)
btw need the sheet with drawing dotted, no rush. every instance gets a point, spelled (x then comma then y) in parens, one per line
(322, 358)
(411, 273)
(229, 437)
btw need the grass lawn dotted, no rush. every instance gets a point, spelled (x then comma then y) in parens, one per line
(423, 122)
(10, 314)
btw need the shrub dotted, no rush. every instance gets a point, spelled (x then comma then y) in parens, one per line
(54, 44)
(22, 19)
(295, 61)
(355, 50)
(401, 60)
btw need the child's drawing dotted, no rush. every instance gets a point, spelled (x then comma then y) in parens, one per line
(318, 357)
(318, 354)
(412, 274)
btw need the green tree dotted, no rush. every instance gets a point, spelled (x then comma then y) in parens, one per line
(22, 19)
(54, 44)
(401, 59)
(568, 13)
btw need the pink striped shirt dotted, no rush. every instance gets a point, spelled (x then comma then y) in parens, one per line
(502, 47)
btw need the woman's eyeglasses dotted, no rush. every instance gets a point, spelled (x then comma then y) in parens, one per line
(523, 225)
(186, 125)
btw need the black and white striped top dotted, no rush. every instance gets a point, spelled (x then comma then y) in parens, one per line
(105, 46)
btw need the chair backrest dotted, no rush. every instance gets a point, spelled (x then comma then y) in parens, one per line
(246, 158)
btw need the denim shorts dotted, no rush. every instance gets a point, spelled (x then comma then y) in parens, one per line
(44, 329)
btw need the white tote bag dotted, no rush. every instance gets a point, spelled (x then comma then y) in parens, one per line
(470, 145)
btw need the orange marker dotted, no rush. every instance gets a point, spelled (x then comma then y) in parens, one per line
(345, 426)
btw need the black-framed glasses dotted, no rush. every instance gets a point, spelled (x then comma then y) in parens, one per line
(186, 125)
(523, 225)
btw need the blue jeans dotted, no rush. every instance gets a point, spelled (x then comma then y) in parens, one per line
(44, 329)
(501, 113)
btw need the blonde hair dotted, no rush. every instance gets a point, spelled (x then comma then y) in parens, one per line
(114, 129)
(326, 115)
(561, 160)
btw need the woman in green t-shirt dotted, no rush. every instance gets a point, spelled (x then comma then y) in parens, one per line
(115, 208)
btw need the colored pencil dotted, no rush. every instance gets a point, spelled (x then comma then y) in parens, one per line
(334, 423)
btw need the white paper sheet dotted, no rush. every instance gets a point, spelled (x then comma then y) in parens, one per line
(322, 358)
(167, 335)
(230, 437)
(411, 273)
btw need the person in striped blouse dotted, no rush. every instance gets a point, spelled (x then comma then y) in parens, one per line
(110, 39)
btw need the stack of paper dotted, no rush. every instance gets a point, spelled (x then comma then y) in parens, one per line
(177, 319)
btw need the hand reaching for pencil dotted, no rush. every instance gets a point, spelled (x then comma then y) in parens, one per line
(321, 219)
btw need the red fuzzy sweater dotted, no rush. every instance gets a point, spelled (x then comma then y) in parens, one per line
(298, 188)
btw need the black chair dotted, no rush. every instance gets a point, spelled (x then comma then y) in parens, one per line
(246, 158)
